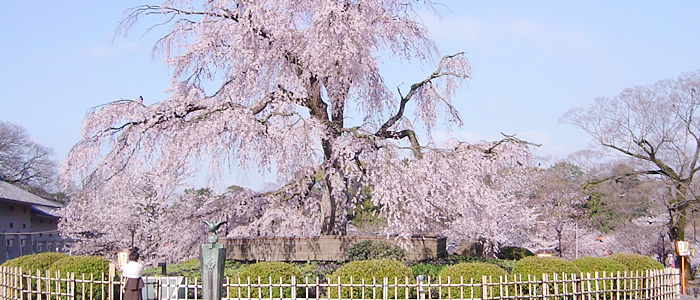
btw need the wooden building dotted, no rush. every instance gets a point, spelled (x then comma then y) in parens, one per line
(28, 223)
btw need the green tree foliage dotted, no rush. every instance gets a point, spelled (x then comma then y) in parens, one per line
(366, 216)
(513, 253)
(656, 127)
(613, 203)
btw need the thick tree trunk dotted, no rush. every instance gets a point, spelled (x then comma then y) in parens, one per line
(677, 210)
(677, 233)
(677, 227)
(333, 213)
(333, 202)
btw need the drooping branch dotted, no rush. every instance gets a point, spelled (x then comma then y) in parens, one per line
(136, 12)
(509, 138)
(415, 87)
(384, 131)
(593, 182)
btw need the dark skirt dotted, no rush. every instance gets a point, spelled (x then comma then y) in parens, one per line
(132, 289)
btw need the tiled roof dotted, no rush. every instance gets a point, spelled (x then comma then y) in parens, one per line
(10, 192)
(46, 211)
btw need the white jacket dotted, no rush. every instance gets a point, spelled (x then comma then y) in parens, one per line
(132, 269)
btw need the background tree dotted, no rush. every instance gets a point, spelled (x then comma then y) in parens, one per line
(297, 91)
(614, 203)
(24, 162)
(558, 199)
(656, 126)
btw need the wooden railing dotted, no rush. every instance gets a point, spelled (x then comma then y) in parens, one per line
(651, 284)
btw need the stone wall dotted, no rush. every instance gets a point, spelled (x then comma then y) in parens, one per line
(322, 248)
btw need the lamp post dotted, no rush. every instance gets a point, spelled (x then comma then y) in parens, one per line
(132, 229)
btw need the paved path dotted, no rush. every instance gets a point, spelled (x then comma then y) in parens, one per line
(689, 290)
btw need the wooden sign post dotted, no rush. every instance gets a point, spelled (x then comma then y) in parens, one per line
(683, 249)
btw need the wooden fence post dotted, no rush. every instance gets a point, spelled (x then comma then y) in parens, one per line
(617, 286)
(110, 281)
(385, 288)
(545, 287)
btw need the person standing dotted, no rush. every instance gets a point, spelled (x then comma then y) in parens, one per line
(132, 272)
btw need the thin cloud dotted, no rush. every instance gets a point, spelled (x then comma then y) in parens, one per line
(469, 29)
(110, 50)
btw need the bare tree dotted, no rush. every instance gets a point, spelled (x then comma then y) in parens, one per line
(559, 198)
(24, 162)
(658, 128)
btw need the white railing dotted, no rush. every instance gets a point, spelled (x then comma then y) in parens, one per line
(651, 284)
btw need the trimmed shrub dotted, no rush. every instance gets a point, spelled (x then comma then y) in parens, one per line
(189, 268)
(372, 249)
(534, 267)
(39, 261)
(468, 273)
(427, 270)
(537, 266)
(264, 273)
(591, 265)
(372, 272)
(513, 253)
(453, 259)
(636, 262)
(598, 264)
(88, 265)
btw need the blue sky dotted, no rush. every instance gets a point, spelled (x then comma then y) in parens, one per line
(532, 61)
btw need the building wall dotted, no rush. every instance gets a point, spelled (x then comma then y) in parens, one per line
(45, 235)
(25, 232)
(15, 217)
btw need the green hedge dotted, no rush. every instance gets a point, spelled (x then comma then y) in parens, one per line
(469, 273)
(264, 273)
(372, 272)
(534, 267)
(636, 262)
(599, 264)
(537, 266)
(371, 249)
(39, 261)
(88, 265)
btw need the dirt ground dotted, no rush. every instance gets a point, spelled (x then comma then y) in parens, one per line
(692, 290)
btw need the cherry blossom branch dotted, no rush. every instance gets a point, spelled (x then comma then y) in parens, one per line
(416, 86)
(406, 133)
